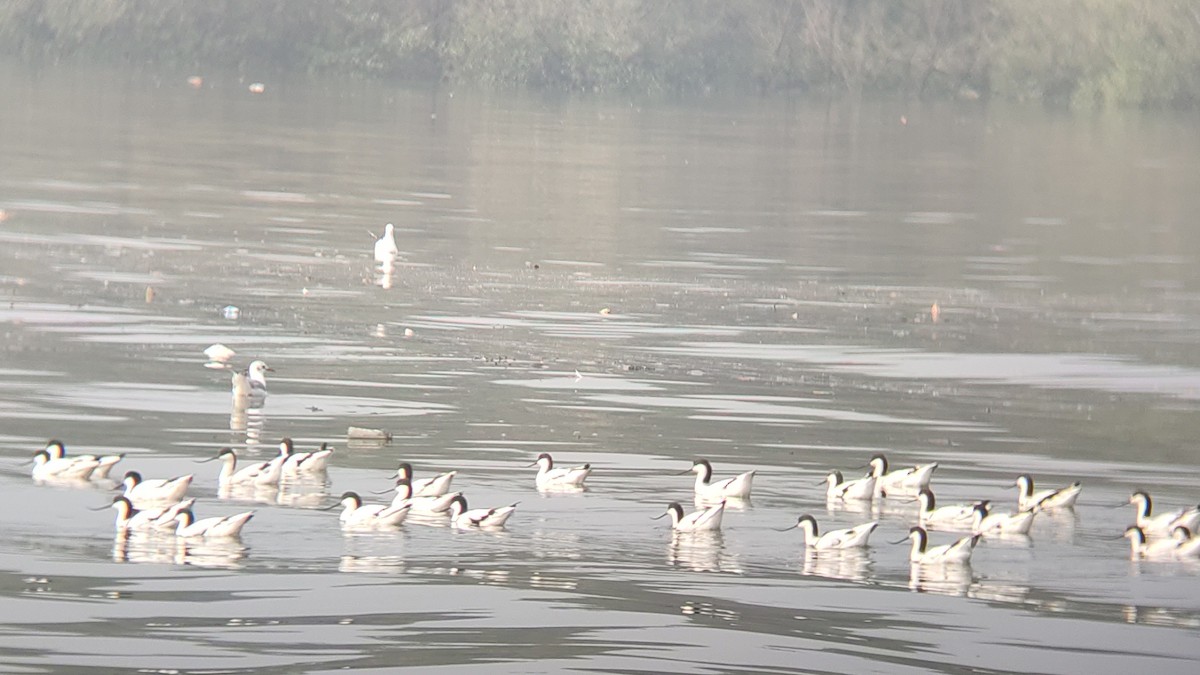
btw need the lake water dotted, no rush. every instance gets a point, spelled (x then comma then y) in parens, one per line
(630, 284)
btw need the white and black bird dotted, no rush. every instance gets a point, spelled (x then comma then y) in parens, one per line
(298, 464)
(215, 527)
(854, 537)
(958, 552)
(435, 486)
(385, 247)
(141, 490)
(256, 474)
(951, 516)
(549, 476)
(422, 505)
(988, 522)
(1046, 500)
(104, 463)
(130, 519)
(359, 516)
(1161, 524)
(251, 386)
(704, 520)
(906, 481)
(464, 518)
(840, 489)
(706, 488)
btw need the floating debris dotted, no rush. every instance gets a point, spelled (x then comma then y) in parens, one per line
(195, 81)
(219, 353)
(365, 434)
(257, 87)
(230, 312)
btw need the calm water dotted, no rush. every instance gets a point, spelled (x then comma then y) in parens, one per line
(626, 284)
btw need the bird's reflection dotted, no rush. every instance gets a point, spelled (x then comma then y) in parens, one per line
(259, 494)
(731, 503)
(306, 492)
(865, 507)
(701, 552)
(165, 548)
(373, 564)
(249, 418)
(940, 578)
(385, 274)
(550, 490)
(849, 564)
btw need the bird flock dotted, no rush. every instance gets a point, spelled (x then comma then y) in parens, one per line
(160, 506)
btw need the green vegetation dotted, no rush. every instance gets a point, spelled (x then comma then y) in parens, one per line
(1083, 53)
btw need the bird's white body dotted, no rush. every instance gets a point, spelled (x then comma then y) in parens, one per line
(1154, 525)
(1046, 500)
(840, 489)
(385, 247)
(954, 516)
(737, 487)
(359, 516)
(989, 522)
(426, 487)
(464, 518)
(130, 519)
(139, 490)
(252, 384)
(297, 464)
(256, 473)
(104, 463)
(958, 552)
(549, 476)
(704, 520)
(854, 537)
(423, 505)
(1187, 544)
(1140, 549)
(63, 468)
(907, 481)
(215, 527)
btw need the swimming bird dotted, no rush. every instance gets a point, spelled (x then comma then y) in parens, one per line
(854, 537)
(901, 481)
(139, 490)
(359, 516)
(839, 488)
(251, 384)
(256, 473)
(146, 520)
(63, 468)
(737, 487)
(1187, 545)
(704, 520)
(1163, 523)
(422, 505)
(1162, 549)
(995, 522)
(548, 476)
(303, 463)
(952, 515)
(426, 487)
(105, 463)
(385, 247)
(464, 518)
(217, 526)
(1061, 498)
(958, 552)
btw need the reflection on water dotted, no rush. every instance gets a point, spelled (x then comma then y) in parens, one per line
(701, 552)
(165, 548)
(852, 564)
(942, 579)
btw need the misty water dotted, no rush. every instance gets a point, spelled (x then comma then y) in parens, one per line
(631, 284)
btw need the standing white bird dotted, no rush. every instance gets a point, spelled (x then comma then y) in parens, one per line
(704, 520)
(385, 247)
(426, 487)
(841, 489)
(64, 468)
(359, 516)
(737, 487)
(901, 481)
(464, 518)
(1162, 549)
(252, 384)
(297, 464)
(104, 463)
(1046, 500)
(1162, 523)
(957, 552)
(953, 516)
(854, 537)
(139, 490)
(550, 477)
(215, 527)
(988, 522)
